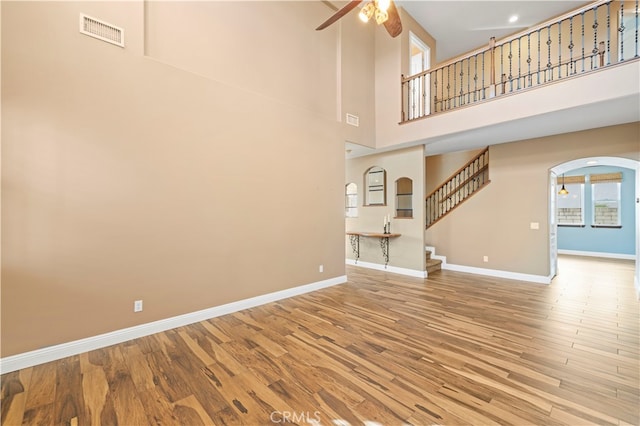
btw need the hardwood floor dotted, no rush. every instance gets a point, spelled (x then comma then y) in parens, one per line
(383, 348)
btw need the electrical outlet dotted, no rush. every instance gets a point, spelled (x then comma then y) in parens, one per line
(485, 259)
(137, 306)
(321, 268)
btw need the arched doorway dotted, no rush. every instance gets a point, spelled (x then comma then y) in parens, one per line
(587, 162)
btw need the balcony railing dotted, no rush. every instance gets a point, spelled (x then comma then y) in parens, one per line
(595, 36)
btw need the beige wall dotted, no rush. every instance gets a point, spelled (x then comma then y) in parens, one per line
(270, 48)
(496, 221)
(124, 178)
(357, 78)
(406, 251)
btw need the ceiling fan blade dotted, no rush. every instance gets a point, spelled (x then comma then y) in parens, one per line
(393, 24)
(339, 14)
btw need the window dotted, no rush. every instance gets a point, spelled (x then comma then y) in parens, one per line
(351, 200)
(571, 205)
(606, 199)
(404, 195)
(375, 181)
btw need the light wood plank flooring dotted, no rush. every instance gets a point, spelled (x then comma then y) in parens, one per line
(452, 349)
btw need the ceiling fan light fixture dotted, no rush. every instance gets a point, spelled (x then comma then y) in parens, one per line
(383, 11)
(381, 16)
(366, 12)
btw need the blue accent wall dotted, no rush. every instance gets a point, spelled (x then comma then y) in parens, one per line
(603, 240)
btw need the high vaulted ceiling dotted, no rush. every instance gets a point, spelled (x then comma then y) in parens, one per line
(461, 26)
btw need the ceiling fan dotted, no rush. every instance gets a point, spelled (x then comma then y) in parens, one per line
(383, 11)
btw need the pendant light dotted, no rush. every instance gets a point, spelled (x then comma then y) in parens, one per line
(563, 190)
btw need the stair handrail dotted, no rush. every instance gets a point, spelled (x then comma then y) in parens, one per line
(453, 175)
(453, 192)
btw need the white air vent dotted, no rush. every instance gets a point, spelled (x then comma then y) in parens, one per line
(101, 30)
(354, 120)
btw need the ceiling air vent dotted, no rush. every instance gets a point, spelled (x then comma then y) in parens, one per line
(354, 120)
(101, 30)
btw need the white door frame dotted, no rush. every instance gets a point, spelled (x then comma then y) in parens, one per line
(553, 224)
(604, 161)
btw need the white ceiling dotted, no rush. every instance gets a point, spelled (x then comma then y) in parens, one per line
(461, 26)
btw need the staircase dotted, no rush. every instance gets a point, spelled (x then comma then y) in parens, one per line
(458, 188)
(432, 265)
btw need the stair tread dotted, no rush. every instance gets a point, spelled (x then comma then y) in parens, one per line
(433, 265)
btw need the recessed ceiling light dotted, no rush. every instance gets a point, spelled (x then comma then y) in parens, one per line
(513, 18)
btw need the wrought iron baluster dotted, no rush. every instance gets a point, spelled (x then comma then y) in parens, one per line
(582, 43)
(435, 91)
(446, 200)
(539, 56)
(549, 69)
(454, 194)
(431, 210)
(448, 86)
(519, 60)
(469, 80)
(442, 90)
(560, 49)
(461, 100)
(434, 207)
(621, 30)
(475, 77)
(570, 67)
(483, 91)
(529, 60)
(594, 51)
(455, 85)
(502, 65)
(510, 57)
(609, 33)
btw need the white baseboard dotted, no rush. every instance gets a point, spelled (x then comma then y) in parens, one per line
(598, 254)
(52, 353)
(538, 279)
(393, 269)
